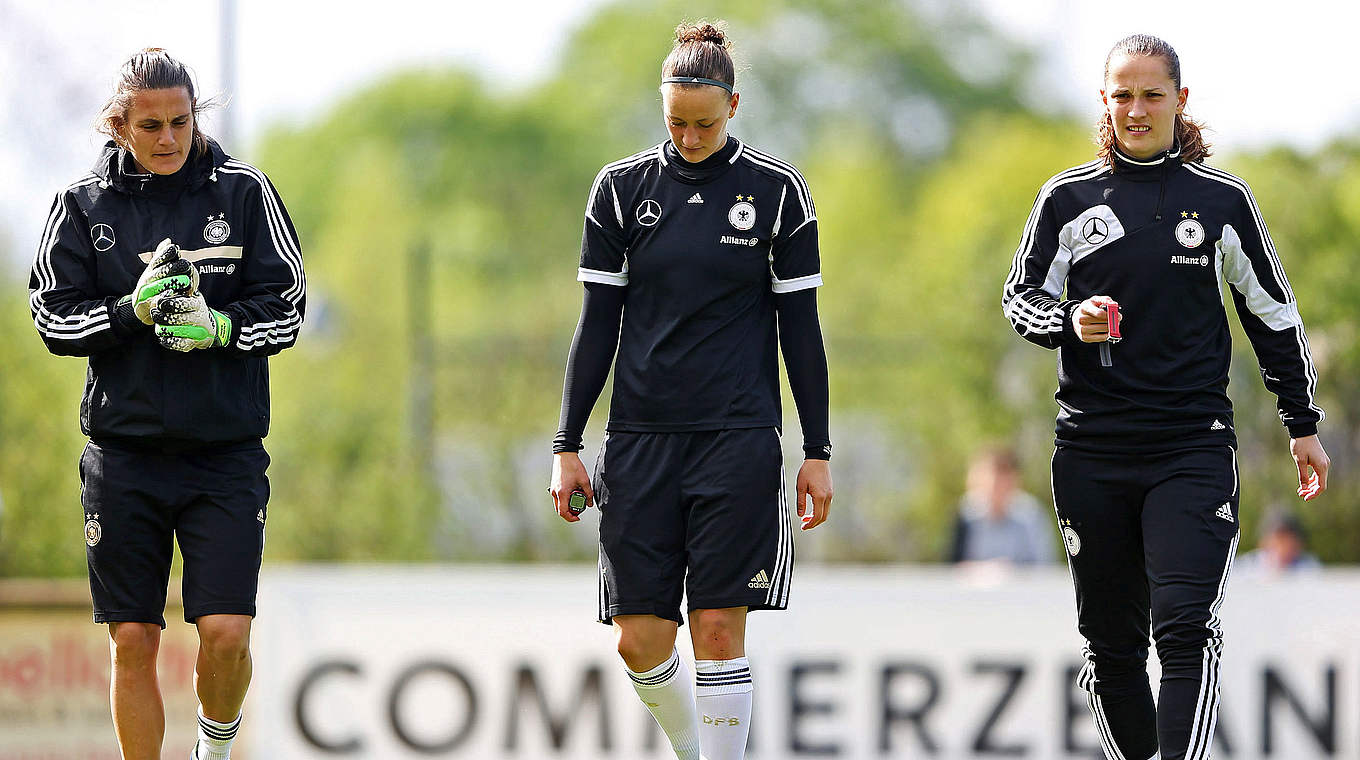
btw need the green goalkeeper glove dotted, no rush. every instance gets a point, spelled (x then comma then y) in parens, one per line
(184, 323)
(166, 274)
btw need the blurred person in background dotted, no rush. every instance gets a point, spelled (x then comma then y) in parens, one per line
(998, 522)
(175, 269)
(1281, 549)
(700, 263)
(1145, 471)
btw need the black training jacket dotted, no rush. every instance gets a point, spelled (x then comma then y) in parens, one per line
(1160, 237)
(229, 221)
(711, 258)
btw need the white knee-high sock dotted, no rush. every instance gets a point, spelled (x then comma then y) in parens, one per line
(665, 690)
(214, 739)
(723, 691)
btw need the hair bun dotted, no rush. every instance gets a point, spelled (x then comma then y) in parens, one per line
(700, 32)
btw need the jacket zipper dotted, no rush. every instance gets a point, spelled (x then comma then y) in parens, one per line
(1161, 189)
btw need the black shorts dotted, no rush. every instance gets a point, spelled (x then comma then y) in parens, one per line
(699, 514)
(137, 502)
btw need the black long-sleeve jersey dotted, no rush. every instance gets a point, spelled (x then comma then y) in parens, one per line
(101, 232)
(702, 252)
(1159, 237)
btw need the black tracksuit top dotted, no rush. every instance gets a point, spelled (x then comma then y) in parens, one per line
(1160, 237)
(229, 221)
(702, 250)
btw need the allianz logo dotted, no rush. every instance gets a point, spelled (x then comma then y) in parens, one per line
(217, 269)
(730, 240)
(1201, 260)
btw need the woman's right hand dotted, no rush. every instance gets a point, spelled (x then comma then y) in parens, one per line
(568, 474)
(1090, 322)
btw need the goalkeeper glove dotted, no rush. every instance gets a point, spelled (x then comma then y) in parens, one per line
(167, 273)
(184, 323)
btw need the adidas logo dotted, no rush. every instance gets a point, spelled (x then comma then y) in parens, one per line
(696, 198)
(1225, 512)
(759, 580)
(260, 516)
(1218, 425)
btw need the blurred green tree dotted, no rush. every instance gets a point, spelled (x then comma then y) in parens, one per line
(440, 217)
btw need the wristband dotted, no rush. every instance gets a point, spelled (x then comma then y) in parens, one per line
(817, 452)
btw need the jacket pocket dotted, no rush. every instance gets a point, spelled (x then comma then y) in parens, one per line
(216, 397)
(258, 377)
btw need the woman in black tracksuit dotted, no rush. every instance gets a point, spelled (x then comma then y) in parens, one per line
(175, 269)
(700, 264)
(1121, 268)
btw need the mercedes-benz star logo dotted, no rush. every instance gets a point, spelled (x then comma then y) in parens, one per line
(1095, 230)
(649, 213)
(102, 235)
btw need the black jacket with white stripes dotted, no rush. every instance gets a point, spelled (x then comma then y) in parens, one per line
(1159, 237)
(229, 221)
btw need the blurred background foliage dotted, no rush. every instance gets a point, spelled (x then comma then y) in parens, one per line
(441, 216)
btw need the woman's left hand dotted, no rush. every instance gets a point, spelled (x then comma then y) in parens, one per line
(1309, 454)
(814, 482)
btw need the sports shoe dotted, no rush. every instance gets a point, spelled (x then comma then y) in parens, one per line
(193, 753)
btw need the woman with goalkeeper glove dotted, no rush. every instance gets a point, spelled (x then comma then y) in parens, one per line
(175, 269)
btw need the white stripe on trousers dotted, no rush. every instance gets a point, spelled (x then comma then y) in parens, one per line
(1103, 727)
(1086, 680)
(1206, 706)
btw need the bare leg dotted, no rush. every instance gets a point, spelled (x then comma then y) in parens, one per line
(723, 684)
(644, 641)
(134, 690)
(718, 634)
(223, 671)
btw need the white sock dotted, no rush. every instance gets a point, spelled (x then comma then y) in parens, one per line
(214, 739)
(723, 692)
(665, 690)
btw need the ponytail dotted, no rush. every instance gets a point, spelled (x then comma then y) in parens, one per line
(1189, 133)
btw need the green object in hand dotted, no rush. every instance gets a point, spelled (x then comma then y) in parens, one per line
(179, 283)
(167, 273)
(576, 503)
(184, 323)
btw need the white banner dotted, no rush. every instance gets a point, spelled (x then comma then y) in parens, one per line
(394, 663)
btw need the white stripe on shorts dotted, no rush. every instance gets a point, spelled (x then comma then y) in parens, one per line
(778, 595)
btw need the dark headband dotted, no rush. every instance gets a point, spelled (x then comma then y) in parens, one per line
(697, 80)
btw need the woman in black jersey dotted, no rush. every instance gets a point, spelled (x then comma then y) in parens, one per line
(175, 269)
(1145, 470)
(697, 253)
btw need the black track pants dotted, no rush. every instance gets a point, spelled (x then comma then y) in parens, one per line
(1150, 537)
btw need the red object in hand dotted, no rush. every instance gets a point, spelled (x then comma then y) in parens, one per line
(1112, 319)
